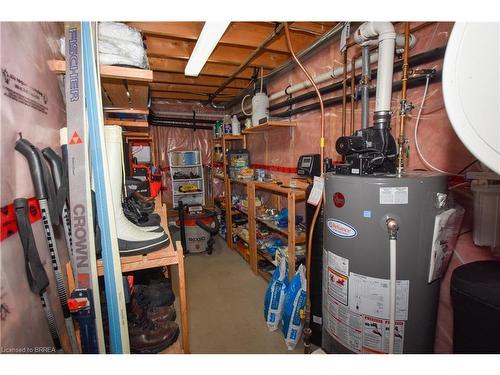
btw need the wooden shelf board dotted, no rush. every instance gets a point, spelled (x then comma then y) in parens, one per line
(188, 193)
(241, 181)
(266, 256)
(186, 166)
(242, 250)
(299, 239)
(135, 111)
(299, 193)
(234, 137)
(219, 177)
(239, 211)
(159, 258)
(187, 179)
(109, 71)
(126, 123)
(265, 275)
(270, 125)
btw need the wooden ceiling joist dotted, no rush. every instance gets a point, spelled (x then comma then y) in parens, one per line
(180, 30)
(211, 69)
(170, 44)
(242, 34)
(183, 96)
(181, 79)
(190, 88)
(231, 55)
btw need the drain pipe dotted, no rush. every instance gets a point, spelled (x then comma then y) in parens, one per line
(386, 45)
(392, 228)
(339, 71)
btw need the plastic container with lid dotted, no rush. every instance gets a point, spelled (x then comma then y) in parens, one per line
(487, 216)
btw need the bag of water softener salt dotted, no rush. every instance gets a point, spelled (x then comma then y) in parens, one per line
(275, 295)
(293, 310)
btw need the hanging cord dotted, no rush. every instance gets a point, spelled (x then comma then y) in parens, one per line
(261, 78)
(419, 152)
(243, 105)
(307, 329)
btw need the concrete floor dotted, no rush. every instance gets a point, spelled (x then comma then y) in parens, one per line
(225, 306)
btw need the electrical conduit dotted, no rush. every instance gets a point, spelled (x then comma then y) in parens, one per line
(307, 330)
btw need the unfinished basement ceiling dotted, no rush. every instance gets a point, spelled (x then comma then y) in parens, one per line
(169, 46)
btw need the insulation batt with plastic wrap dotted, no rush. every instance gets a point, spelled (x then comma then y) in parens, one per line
(25, 50)
(119, 44)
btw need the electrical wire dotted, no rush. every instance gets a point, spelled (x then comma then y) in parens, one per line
(419, 152)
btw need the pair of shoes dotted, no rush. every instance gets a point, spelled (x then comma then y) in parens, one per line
(151, 320)
(148, 337)
(138, 218)
(140, 197)
(132, 239)
(156, 294)
(143, 206)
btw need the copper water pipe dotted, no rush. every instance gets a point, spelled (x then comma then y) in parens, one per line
(307, 330)
(353, 89)
(403, 103)
(344, 94)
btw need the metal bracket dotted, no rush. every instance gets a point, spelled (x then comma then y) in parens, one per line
(405, 107)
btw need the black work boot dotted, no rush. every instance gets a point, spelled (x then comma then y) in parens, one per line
(140, 305)
(147, 337)
(156, 294)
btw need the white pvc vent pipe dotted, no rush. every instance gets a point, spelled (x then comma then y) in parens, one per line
(339, 71)
(386, 44)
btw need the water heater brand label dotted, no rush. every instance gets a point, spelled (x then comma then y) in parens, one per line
(341, 229)
(338, 199)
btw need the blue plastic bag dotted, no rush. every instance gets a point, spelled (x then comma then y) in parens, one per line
(293, 310)
(275, 296)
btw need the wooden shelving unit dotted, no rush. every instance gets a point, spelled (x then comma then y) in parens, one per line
(124, 90)
(165, 257)
(270, 125)
(293, 196)
(299, 238)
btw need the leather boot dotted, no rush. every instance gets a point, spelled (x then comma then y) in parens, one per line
(156, 295)
(142, 307)
(147, 337)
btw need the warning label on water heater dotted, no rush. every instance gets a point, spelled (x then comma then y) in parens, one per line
(370, 296)
(394, 195)
(337, 286)
(376, 335)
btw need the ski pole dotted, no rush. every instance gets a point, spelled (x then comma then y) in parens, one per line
(61, 184)
(40, 178)
(35, 273)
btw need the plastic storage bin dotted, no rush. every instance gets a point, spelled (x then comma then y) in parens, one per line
(486, 230)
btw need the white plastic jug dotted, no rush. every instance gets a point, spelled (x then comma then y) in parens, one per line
(235, 126)
(260, 105)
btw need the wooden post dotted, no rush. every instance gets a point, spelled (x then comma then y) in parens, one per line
(183, 299)
(252, 230)
(291, 235)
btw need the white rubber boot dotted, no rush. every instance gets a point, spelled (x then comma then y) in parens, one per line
(131, 238)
